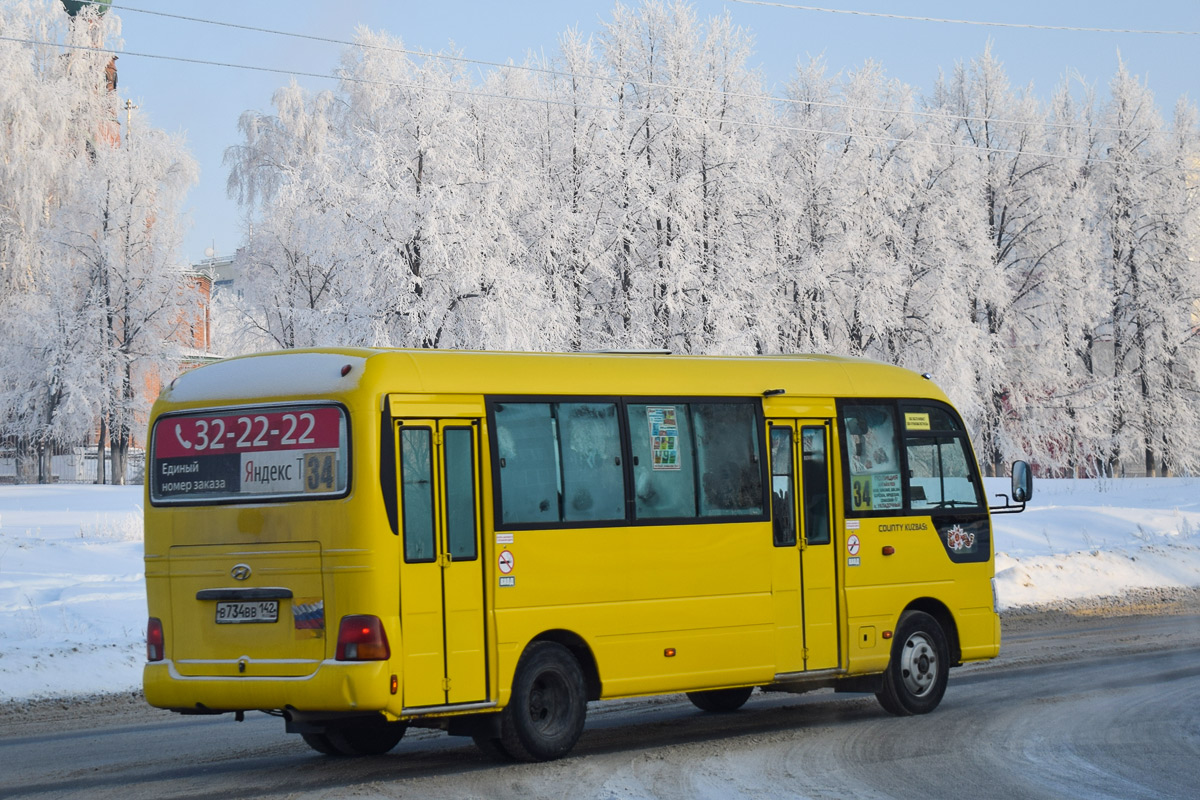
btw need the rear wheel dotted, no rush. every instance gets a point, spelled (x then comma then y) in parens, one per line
(544, 716)
(720, 700)
(370, 737)
(916, 676)
(320, 742)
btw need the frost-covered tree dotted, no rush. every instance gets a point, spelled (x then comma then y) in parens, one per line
(45, 95)
(800, 217)
(1052, 395)
(943, 259)
(1149, 276)
(567, 220)
(1005, 128)
(381, 211)
(90, 290)
(291, 263)
(120, 234)
(867, 269)
(640, 190)
(688, 149)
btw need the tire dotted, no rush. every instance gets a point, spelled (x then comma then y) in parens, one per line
(320, 742)
(916, 675)
(545, 713)
(492, 747)
(370, 737)
(720, 701)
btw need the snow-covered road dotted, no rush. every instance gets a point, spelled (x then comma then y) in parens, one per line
(1074, 707)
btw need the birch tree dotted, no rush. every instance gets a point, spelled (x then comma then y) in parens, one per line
(121, 231)
(1150, 280)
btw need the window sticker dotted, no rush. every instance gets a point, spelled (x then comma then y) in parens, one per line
(880, 492)
(966, 538)
(915, 421)
(860, 492)
(959, 539)
(664, 437)
(308, 613)
(887, 491)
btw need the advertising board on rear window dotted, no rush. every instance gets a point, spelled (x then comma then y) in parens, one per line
(259, 453)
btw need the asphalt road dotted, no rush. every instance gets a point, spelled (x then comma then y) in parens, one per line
(1088, 708)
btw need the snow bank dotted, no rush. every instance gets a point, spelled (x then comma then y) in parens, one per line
(72, 588)
(1082, 539)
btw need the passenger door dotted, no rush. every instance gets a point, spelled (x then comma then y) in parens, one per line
(441, 571)
(809, 442)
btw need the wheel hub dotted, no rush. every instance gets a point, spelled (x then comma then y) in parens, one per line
(919, 665)
(546, 703)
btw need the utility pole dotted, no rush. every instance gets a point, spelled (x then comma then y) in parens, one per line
(129, 107)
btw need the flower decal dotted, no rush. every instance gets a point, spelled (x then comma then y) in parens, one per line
(958, 539)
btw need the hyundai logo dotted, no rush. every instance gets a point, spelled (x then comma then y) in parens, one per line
(240, 572)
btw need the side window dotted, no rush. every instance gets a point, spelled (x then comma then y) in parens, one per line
(592, 476)
(663, 465)
(728, 463)
(874, 458)
(559, 462)
(566, 463)
(459, 455)
(526, 441)
(416, 493)
(783, 500)
(939, 464)
(816, 485)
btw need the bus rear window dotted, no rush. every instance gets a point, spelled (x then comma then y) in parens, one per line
(261, 453)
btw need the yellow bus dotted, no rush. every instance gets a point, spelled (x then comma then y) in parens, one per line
(362, 540)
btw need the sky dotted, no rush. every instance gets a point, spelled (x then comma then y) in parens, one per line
(203, 102)
(73, 590)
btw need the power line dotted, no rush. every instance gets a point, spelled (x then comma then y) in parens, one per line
(610, 79)
(322, 39)
(1022, 25)
(595, 107)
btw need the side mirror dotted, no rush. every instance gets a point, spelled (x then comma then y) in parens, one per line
(1022, 482)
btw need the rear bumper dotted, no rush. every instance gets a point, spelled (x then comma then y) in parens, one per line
(334, 686)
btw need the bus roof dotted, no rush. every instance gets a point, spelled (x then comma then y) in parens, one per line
(319, 372)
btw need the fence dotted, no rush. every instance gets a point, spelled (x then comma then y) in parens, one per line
(78, 466)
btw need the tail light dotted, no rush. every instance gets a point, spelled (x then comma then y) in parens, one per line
(361, 638)
(154, 639)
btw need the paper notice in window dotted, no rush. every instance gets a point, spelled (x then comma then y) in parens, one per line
(664, 437)
(916, 422)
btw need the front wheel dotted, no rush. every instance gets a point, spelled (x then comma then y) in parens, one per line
(916, 675)
(544, 716)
